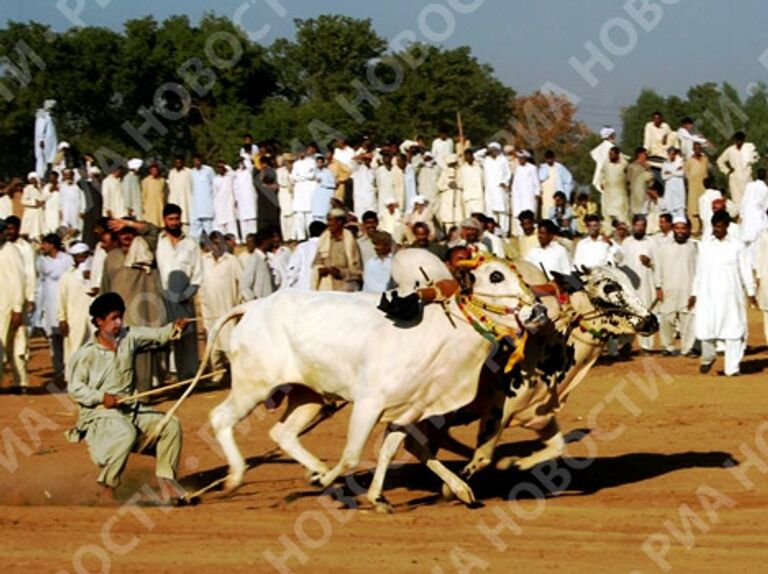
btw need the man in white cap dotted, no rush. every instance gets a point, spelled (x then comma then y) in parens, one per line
(674, 269)
(497, 178)
(33, 200)
(422, 212)
(73, 204)
(75, 297)
(427, 173)
(60, 160)
(46, 140)
(132, 189)
(599, 153)
(471, 184)
(526, 189)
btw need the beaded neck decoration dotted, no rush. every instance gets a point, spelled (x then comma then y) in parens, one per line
(474, 313)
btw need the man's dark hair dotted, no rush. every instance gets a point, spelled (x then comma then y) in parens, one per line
(638, 217)
(739, 136)
(171, 209)
(13, 220)
(370, 215)
(761, 174)
(549, 154)
(721, 217)
(526, 214)
(591, 217)
(549, 225)
(420, 225)
(53, 239)
(316, 228)
(559, 194)
(666, 217)
(452, 250)
(686, 120)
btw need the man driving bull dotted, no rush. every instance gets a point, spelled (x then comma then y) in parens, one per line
(101, 373)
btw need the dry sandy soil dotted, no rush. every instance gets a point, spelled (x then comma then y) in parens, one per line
(646, 487)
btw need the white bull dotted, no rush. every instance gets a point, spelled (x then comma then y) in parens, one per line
(339, 346)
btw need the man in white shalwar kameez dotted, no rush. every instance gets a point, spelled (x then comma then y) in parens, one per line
(132, 189)
(112, 193)
(300, 264)
(303, 176)
(761, 273)
(33, 200)
(554, 177)
(285, 197)
(224, 218)
(324, 188)
(219, 293)
(599, 154)
(180, 190)
(75, 297)
(73, 203)
(245, 198)
(638, 250)
(595, 249)
(52, 210)
(673, 174)
(442, 147)
(18, 339)
(687, 136)
(674, 269)
(364, 195)
(723, 275)
(470, 182)
(752, 212)
(50, 268)
(736, 162)
(179, 265)
(497, 179)
(12, 291)
(656, 139)
(46, 140)
(549, 254)
(526, 189)
(201, 219)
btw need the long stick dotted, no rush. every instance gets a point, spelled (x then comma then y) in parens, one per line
(461, 129)
(160, 390)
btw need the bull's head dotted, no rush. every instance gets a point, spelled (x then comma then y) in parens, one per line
(496, 282)
(619, 310)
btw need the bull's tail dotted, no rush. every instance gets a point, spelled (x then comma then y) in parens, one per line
(213, 334)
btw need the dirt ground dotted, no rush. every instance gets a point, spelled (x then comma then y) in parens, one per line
(649, 485)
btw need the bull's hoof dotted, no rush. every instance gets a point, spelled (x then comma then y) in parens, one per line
(446, 493)
(383, 506)
(464, 494)
(316, 479)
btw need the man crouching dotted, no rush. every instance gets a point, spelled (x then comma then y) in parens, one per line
(100, 374)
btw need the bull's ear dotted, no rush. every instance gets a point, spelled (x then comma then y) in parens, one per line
(581, 272)
(569, 283)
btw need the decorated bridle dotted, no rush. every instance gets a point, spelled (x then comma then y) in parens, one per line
(479, 313)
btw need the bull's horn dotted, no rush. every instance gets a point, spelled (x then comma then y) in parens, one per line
(468, 264)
